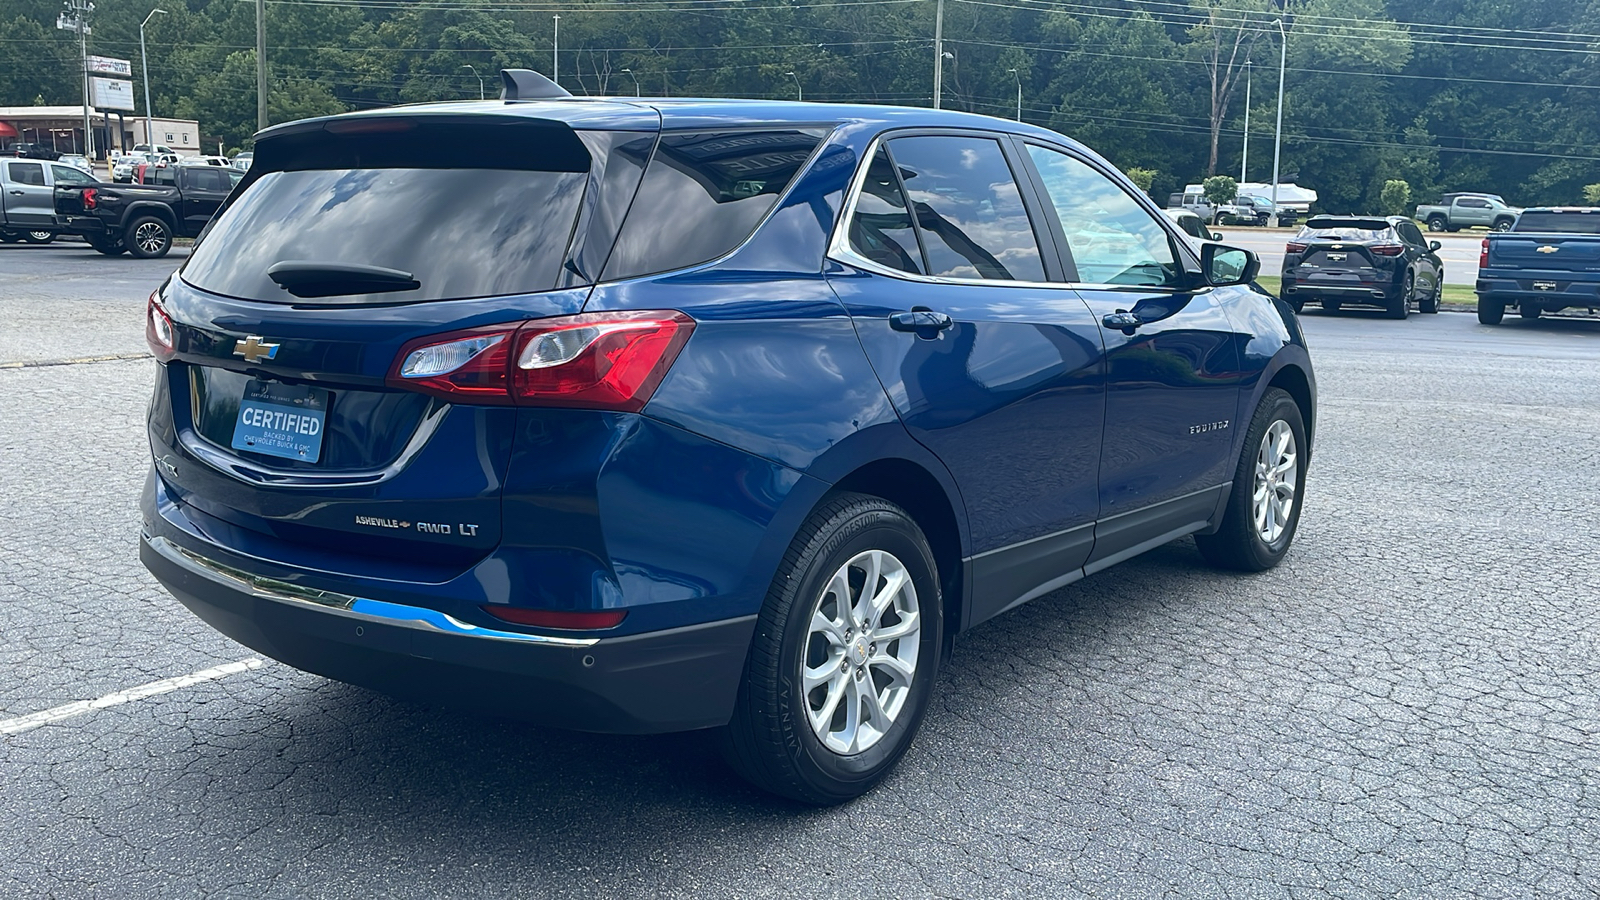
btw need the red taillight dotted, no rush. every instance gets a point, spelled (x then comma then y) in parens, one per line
(89, 195)
(158, 332)
(1483, 255)
(610, 361)
(1294, 247)
(549, 618)
(1387, 249)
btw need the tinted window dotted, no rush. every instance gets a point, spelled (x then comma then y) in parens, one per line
(702, 195)
(205, 180)
(460, 232)
(26, 173)
(880, 229)
(1411, 235)
(1473, 204)
(1111, 238)
(69, 175)
(1346, 233)
(1567, 222)
(968, 210)
(166, 176)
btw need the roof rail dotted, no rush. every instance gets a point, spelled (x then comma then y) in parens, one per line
(526, 84)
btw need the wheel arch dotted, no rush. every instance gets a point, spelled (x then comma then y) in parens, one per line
(1293, 379)
(161, 211)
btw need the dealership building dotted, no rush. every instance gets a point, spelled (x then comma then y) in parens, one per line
(111, 122)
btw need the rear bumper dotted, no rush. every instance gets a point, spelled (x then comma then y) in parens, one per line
(1375, 293)
(674, 680)
(82, 225)
(1562, 291)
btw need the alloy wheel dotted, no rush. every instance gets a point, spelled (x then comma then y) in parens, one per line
(1277, 475)
(860, 653)
(150, 237)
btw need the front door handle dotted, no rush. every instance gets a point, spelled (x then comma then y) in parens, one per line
(921, 321)
(1122, 320)
(18, 193)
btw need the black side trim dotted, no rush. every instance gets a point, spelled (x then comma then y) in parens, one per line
(1132, 533)
(1008, 577)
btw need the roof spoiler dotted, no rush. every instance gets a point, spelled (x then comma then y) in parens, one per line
(526, 84)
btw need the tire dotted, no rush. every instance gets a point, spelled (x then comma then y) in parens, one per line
(1298, 305)
(38, 237)
(775, 740)
(106, 244)
(1436, 223)
(1400, 307)
(1529, 311)
(1241, 543)
(1430, 303)
(7, 237)
(1502, 224)
(1491, 312)
(1330, 306)
(147, 237)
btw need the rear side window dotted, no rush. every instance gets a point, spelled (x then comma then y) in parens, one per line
(1560, 222)
(460, 233)
(880, 229)
(704, 193)
(206, 179)
(26, 173)
(967, 208)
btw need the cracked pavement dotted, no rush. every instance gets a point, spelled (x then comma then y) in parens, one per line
(1408, 707)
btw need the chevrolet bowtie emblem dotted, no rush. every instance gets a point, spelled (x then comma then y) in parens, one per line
(253, 350)
(1548, 249)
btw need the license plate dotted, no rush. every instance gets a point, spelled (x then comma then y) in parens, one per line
(282, 420)
(1544, 285)
(1335, 257)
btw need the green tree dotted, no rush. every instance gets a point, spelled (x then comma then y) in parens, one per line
(1220, 189)
(1141, 177)
(1396, 197)
(1591, 194)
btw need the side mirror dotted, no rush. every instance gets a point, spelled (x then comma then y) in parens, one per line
(1434, 246)
(1223, 265)
(1216, 235)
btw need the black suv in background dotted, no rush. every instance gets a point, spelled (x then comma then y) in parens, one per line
(1361, 261)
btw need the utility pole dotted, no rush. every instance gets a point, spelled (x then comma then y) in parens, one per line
(261, 64)
(1019, 92)
(144, 63)
(76, 18)
(1277, 141)
(938, 53)
(555, 54)
(1244, 157)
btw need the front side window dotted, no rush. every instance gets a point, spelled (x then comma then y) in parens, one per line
(880, 228)
(1111, 238)
(26, 173)
(967, 208)
(703, 193)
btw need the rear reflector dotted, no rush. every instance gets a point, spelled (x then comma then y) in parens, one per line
(549, 618)
(609, 361)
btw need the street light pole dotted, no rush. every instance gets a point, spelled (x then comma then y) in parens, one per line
(1244, 158)
(555, 53)
(480, 80)
(1019, 92)
(1277, 140)
(144, 63)
(938, 53)
(261, 65)
(635, 78)
(799, 92)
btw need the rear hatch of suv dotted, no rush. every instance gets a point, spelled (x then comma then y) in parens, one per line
(1346, 252)
(282, 423)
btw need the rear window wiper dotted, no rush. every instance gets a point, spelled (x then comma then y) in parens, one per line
(305, 278)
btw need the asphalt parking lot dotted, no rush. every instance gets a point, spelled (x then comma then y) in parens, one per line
(1408, 707)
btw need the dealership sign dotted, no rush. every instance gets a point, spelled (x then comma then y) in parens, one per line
(109, 93)
(105, 65)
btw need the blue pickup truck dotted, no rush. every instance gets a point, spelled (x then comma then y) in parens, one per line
(1548, 261)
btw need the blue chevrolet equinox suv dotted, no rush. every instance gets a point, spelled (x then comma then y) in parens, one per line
(654, 415)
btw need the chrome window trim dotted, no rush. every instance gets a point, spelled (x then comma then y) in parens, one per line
(839, 249)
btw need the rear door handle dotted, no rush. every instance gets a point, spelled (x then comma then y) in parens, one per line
(921, 321)
(1122, 320)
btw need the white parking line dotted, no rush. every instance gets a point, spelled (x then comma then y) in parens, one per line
(165, 685)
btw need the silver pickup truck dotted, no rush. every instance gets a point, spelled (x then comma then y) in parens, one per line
(27, 198)
(1482, 211)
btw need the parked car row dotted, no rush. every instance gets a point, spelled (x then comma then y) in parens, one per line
(1244, 209)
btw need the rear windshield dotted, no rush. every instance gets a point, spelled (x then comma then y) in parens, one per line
(1564, 222)
(1349, 233)
(460, 233)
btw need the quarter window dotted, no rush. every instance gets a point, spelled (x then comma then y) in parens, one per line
(968, 209)
(880, 229)
(1111, 238)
